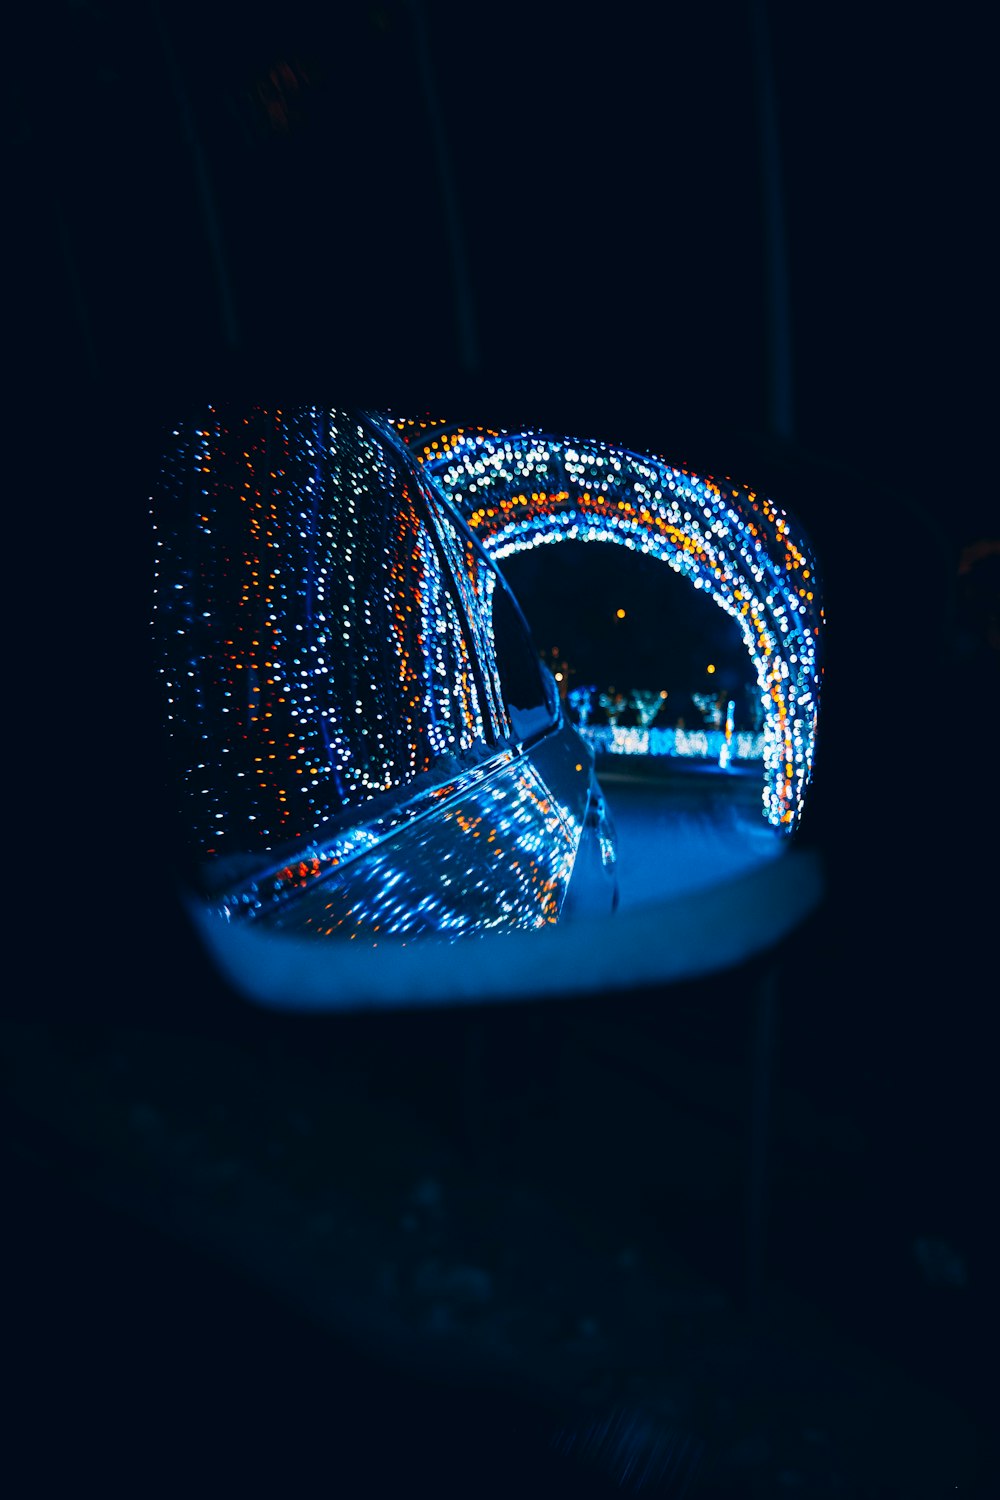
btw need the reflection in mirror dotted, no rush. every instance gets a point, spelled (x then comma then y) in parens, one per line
(524, 490)
(658, 682)
(363, 742)
(360, 734)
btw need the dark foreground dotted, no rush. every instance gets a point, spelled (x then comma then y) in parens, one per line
(503, 1249)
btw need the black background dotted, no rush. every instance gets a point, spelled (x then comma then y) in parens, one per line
(606, 174)
(253, 199)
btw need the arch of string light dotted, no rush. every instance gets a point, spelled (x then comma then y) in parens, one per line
(519, 490)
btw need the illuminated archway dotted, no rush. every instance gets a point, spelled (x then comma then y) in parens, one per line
(520, 490)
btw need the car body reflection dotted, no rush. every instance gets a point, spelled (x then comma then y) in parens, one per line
(363, 741)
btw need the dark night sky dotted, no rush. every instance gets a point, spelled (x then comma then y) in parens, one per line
(250, 197)
(605, 173)
(670, 632)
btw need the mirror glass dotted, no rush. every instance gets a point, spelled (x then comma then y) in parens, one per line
(374, 758)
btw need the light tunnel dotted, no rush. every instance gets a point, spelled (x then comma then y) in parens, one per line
(519, 490)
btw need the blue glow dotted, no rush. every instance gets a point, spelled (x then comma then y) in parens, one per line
(685, 744)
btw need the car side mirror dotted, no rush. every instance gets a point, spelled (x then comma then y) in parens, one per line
(340, 709)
